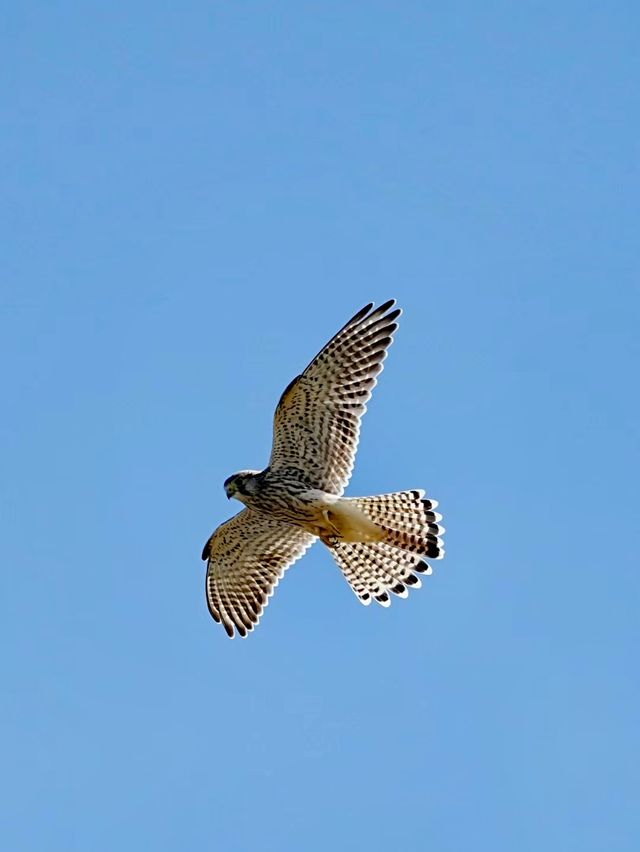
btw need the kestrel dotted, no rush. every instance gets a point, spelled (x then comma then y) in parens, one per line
(378, 542)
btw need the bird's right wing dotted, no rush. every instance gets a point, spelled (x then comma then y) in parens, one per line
(246, 557)
(317, 421)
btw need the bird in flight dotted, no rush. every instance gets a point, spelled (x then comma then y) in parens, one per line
(380, 543)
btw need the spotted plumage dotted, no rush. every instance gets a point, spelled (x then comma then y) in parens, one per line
(378, 542)
(247, 556)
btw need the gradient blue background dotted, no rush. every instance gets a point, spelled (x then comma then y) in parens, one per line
(195, 197)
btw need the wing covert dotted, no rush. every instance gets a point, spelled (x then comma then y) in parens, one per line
(246, 557)
(317, 421)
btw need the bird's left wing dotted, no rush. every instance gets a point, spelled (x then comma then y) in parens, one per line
(246, 557)
(317, 421)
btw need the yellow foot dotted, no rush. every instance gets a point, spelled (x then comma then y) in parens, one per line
(329, 539)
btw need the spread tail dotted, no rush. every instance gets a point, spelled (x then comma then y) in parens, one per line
(411, 532)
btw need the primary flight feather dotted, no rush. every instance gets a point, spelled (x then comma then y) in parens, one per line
(380, 543)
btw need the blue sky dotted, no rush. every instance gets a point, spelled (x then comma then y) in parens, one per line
(195, 197)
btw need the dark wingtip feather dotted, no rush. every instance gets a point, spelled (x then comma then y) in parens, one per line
(362, 313)
(206, 549)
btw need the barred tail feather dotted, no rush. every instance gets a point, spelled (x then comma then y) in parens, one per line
(412, 531)
(375, 570)
(408, 519)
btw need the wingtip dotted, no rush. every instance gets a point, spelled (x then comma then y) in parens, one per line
(362, 313)
(385, 309)
(206, 549)
(381, 309)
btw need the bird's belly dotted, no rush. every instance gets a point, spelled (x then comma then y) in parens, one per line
(325, 515)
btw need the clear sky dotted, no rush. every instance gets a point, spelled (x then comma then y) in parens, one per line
(195, 196)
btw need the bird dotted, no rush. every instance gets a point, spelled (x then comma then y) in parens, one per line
(380, 543)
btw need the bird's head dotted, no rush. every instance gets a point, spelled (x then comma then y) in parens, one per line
(241, 484)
